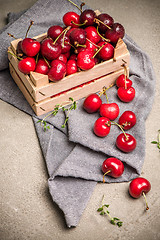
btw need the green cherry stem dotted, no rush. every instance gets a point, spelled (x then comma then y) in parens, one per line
(92, 43)
(79, 24)
(76, 5)
(47, 62)
(144, 195)
(63, 32)
(11, 35)
(107, 40)
(114, 123)
(15, 55)
(96, 20)
(31, 23)
(105, 175)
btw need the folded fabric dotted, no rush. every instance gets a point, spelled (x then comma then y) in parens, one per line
(74, 155)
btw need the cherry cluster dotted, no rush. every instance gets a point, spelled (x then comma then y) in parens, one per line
(85, 40)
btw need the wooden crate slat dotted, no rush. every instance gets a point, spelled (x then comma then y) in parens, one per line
(39, 79)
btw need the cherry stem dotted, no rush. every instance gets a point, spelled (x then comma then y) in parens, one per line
(92, 43)
(107, 40)
(11, 35)
(99, 50)
(15, 55)
(125, 74)
(80, 8)
(80, 24)
(47, 62)
(64, 31)
(82, 4)
(144, 195)
(70, 45)
(79, 45)
(105, 89)
(114, 123)
(105, 175)
(96, 20)
(31, 23)
(37, 57)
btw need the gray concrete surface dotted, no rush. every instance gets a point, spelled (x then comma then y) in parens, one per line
(27, 211)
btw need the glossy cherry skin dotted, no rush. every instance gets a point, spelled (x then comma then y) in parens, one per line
(102, 127)
(138, 186)
(92, 34)
(126, 145)
(85, 60)
(120, 82)
(126, 95)
(127, 120)
(30, 47)
(92, 103)
(107, 20)
(78, 35)
(57, 70)
(114, 165)
(54, 31)
(65, 43)
(50, 50)
(117, 31)
(106, 52)
(71, 67)
(88, 16)
(109, 110)
(27, 65)
(70, 18)
(62, 57)
(42, 67)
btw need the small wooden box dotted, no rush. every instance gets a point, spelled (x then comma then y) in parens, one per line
(43, 95)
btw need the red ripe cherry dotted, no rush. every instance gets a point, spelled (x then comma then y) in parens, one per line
(117, 31)
(109, 110)
(87, 17)
(71, 67)
(27, 65)
(138, 187)
(85, 60)
(92, 34)
(50, 50)
(107, 51)
(65, 43)
(67, 54)
(30, 47)
(120, 82)
(102, 127)
(92, 103)
(62, 57)
(91, 47)
(127, 120)
(107, 20)
(42, 67)
(54, 31)
(78, 35)
(73, 57)
(70, 18)
(126, 95)
(57, 70)
(126, 142)
(112, 167)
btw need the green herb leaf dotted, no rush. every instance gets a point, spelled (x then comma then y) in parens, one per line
(100, 209)
(154, 142)
(119, 224)
(102, 213)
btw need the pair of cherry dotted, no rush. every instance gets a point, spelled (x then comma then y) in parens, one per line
(139, 186)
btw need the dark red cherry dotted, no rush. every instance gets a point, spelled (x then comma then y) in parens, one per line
(126, 143)
(107, 51)
(126, 95)
(64, 41)
(120, 82)
(92, 103)
(73, 57)
(117, 31)
(92, 34)
(62, 57)
(127, 120)
(57, 70)
(109, 110)
(85, 60)
(87, 17)
(71, 67)
(49, 49)
(30, 47)
(102, 127)
(70, 18)
(107, 20)
(113, 167)
(42, 67)
(27, 65)
(78, 35)
(54, 31)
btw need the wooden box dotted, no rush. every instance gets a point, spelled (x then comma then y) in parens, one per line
(43, 95)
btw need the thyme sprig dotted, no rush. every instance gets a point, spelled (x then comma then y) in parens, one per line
(73, 106)
(158, 141)
(104, 211)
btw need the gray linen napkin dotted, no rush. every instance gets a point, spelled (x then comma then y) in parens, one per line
(74, 155)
